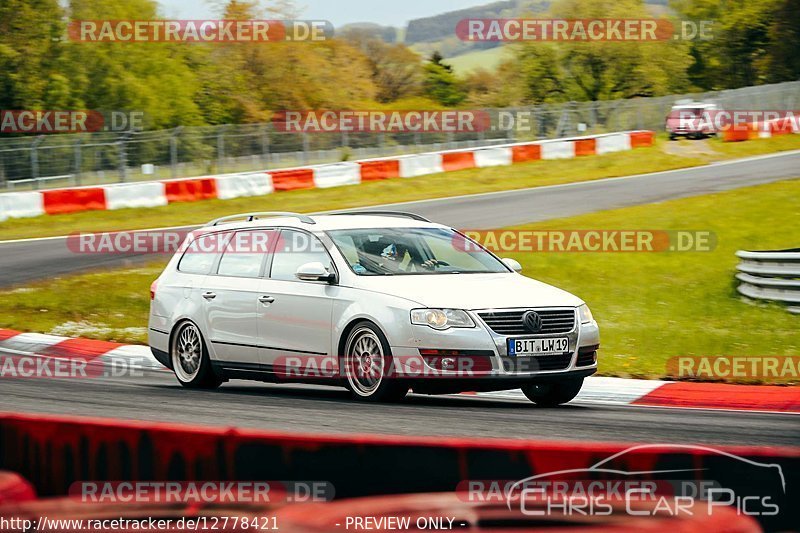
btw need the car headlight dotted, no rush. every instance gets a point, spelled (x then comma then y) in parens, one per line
(585, 314)
(441, 318)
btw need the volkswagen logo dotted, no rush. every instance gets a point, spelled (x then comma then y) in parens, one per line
(532, 321)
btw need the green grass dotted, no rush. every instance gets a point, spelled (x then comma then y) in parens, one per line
(533, 174)
(486, 59)
(654, 306)
(651, 306)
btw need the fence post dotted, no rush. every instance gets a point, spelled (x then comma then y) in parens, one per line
(265, 144)
(35, 160)
(78, 161)
(173, 151)
(123, 158)
(221, 148)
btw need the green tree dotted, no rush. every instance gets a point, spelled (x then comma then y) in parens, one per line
(31, 55)
(602, 70)
(441, 84)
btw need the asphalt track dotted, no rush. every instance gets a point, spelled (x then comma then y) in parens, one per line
(22, 261)
(156, 395)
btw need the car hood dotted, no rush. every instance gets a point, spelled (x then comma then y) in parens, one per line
(471, 291)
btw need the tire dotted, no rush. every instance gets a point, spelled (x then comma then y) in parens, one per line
(366, 360)
(553, 394)
(190, 360)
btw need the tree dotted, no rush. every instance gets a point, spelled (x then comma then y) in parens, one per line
(441, 85)
(396, 70)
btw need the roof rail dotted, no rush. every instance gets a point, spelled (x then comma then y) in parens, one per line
(249, 217)
(400, 214)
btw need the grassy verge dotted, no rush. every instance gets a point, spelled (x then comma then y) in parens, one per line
(651, 306)
(663, 156)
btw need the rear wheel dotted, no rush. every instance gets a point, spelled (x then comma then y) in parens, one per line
(190, 359)
(368, 366)
(553, 394)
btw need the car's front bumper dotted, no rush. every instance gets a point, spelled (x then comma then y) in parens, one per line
(478, 357)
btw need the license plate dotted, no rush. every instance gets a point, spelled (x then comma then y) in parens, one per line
(534, 347)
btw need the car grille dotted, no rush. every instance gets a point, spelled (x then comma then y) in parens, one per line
(510, 322)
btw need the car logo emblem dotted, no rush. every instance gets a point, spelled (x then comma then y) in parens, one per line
(532, 321)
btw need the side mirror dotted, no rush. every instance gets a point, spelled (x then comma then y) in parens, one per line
(513, 264)
(315, 271)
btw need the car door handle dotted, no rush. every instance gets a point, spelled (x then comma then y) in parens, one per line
(209, 295)
(266, 299)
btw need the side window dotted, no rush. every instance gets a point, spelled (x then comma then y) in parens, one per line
(245, 253)
(200, 254)
(296, 248)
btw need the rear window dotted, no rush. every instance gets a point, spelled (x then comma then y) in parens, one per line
(200, 255)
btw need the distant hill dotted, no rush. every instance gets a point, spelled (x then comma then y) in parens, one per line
(437, 33)
(387, 34)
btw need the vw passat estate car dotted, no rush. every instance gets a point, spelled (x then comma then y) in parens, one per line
(378, 302)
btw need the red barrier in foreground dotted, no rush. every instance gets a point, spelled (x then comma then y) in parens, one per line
(14, 488)
(54, 451)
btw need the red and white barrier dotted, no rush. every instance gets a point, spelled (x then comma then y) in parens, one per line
(126, 195)
(241, 185)
(558, 149)
(601, 390)
(21, 205)
(493, 157)
(336, 175)
(615, 142)
(224, 187)
(415, 165)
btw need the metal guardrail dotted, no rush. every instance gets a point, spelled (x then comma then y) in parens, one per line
(771, 275)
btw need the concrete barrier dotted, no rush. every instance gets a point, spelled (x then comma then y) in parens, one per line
(127, 195)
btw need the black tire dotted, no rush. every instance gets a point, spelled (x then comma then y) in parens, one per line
(186, 353)
(372, 385)
(673, 137)
(553, 394)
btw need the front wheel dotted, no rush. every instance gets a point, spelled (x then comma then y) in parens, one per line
(190, 359)
(368, 366)
(553, 394)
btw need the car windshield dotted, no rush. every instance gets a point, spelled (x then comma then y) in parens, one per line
(685, 113)
(413, 251)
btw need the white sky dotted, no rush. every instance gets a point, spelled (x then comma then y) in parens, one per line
(339, 12)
